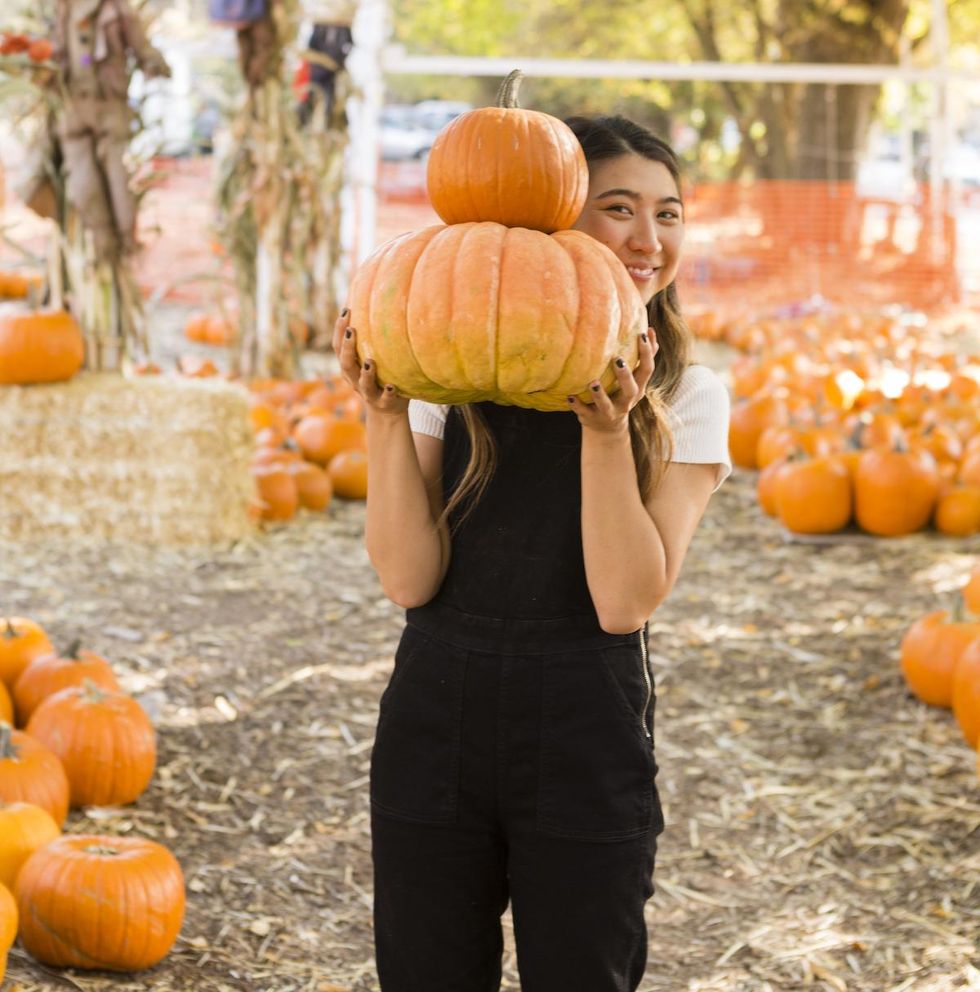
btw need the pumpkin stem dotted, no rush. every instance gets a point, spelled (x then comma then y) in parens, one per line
(73, 650)
(101, 849)
(507, 94)
(10, 632)
(93, 692)
(7, 749)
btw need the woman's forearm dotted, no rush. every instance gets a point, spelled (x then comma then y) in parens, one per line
(408, 551)
(625, 557)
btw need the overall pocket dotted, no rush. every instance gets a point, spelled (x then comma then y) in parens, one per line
(415, 760)
(596, 772)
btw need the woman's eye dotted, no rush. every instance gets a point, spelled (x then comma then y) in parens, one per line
(619, 208)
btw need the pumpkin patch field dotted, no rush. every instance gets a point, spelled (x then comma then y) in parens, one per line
(823, 820)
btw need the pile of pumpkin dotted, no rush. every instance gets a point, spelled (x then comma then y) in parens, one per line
(76, 900)
(16, 284)
(940, 660)
(310, 444)
(855, 419)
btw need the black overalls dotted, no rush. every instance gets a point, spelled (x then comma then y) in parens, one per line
(514, 752)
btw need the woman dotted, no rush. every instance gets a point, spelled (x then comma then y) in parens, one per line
(514, 755)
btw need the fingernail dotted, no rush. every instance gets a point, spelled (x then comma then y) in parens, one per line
(367, 366)
(620, 363)
(348, 333)
(571, 399)
(643, 338)
(595, 387)
(345, 311)
(389, 388)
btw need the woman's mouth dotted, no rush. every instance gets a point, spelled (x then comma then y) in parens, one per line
(642, 273)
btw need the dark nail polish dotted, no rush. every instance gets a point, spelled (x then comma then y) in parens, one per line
(571, 399)
(389, 388)
(620, 364)
(344, 312)
(643, 338)
(367, 366)
(595, 388)
(348, 333)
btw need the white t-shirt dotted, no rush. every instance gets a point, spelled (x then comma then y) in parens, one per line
(699, 414)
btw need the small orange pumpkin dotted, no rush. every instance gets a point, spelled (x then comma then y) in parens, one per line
(348, 473)
(39, 346)
(8, 927)
(21, 640)
(131, 925)
(895, 490)
(24, 828)
(930, 652)
(813, 495)
(966, 693)
(30, 773)
(105, 741)
(520, 168)
(50, 673)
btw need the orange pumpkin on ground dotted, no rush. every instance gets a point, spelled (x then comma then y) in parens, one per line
(20, 641)
(520, 168)
(966, 693)
(895, 490)
(278, 495)
(30, 773)
(474, 312)
(930, 652)
(322, 438)
(39, 346)
(105, 741)
(24, 828)
(312, 485)
(49, 674)
(749, 418)
(8, 927)
(813, 495)
(958, 511)
(97, 902)
(349, 474)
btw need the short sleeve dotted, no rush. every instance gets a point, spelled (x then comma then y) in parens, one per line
(427, 418)
(699, 419)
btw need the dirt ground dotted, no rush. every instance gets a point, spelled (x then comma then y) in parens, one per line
(823, 829)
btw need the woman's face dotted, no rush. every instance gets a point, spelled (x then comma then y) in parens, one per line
(634, 208)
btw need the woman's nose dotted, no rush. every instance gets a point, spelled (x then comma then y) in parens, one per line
(644, 237)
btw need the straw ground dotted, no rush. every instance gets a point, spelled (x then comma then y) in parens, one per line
(823, 827)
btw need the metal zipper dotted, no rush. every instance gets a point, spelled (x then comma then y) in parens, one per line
(648, 682)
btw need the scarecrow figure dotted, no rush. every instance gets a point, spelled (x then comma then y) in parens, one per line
(93, 41)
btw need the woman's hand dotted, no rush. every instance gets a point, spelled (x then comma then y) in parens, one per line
(610, 414)
(364, 377)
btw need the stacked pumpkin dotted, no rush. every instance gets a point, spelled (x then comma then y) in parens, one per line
(310, 445)
(83, 742)
(857, 420)
(940, 660)
(502, 302)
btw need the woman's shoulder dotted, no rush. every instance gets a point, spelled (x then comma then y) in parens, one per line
(700, 394)
(427, 418)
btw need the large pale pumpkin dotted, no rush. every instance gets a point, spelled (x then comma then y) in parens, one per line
(112, 903)
(473, 312)
(39, 346)
(522, 168)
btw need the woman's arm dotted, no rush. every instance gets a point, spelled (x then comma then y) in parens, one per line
(633, 550)
(408, 550)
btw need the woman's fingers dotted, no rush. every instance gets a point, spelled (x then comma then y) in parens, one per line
(648, 348)
(339, 326)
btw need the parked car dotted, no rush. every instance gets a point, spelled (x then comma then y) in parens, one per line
(408, 130)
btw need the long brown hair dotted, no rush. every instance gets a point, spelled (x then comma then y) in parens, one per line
(650, 437)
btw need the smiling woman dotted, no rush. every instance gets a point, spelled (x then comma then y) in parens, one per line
(514, 756)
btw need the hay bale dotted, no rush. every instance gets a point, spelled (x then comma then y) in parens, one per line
(153, 460)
